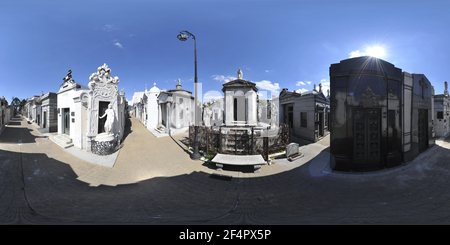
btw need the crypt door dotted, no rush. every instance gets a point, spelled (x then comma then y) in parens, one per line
(321, 124)
(66, 126)
(44, 123)
(423, 129)
(366, 137)
(102, 107)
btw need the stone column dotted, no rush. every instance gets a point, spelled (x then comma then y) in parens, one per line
(251, 108)
(167, 117)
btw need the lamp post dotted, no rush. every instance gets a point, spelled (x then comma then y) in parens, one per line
(183, 36)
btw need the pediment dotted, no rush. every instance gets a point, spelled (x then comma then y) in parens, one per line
(239, 83)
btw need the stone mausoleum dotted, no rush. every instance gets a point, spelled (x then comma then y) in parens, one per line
(93, 117)
(379, 115)
(442, 113)
(307, 114)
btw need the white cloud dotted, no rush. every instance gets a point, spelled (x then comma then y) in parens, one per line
(267, 71)
(301, 90)
(300, 83)
(268, 85)
(308, 82)
(212, 95)
(109, 28)
(356, 53)
(222, 78)
(118, 45)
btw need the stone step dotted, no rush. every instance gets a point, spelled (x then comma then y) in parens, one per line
(62, 141)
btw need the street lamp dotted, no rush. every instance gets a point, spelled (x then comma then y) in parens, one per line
(183, 36)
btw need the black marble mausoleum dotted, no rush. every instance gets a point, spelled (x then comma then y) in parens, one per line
(379, 115)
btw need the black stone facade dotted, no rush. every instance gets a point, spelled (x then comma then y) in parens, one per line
(422, 128)
(365, 114)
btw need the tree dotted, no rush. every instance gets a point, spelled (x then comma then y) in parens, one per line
(15, 102)
(22, 104)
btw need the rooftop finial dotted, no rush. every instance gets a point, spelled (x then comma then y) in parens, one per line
(239, 74)
(178, 84)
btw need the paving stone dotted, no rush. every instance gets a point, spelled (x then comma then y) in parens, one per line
(153, 180)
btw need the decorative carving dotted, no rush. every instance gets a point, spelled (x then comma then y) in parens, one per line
(368, 98)
(105, 147)
(103, 75)
(68, 79)
(102, 88)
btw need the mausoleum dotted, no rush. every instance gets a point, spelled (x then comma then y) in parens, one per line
(93, 117)
(48, 112)
(307, 114)
(175, 110)
(442, 113)
(379, 115)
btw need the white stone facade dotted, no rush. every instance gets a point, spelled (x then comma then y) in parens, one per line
(442, 114)
(307, 113)
(80, 108)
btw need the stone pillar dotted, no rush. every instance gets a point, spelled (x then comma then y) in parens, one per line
(251, 107)
(167, 118)
(407, 105)
(228, 107)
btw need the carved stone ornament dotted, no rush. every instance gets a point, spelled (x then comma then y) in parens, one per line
(68, 79)
(368, 98)
(103, 75)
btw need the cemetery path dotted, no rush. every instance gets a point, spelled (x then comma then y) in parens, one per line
(155, 182)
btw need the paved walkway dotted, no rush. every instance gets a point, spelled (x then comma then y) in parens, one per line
(154, 181)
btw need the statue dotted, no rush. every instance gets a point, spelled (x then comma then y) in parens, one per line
(109, 123)
(239, 74)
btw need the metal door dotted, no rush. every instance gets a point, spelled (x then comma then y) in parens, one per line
(44, 123)
(67, 121)
(366, 146)
(102, 107)
(423, 129)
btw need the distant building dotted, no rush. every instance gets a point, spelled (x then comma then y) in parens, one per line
(442, 113)
(175, 110)
(48, 112)
(3, 113)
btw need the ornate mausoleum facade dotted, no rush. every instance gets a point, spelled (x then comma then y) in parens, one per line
(380, 116)
(93, 117)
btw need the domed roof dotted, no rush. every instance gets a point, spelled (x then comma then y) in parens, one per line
(154, 89)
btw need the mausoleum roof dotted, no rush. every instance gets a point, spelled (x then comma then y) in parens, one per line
(154, 89)
(239, 83)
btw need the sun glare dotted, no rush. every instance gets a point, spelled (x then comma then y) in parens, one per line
(376, 51)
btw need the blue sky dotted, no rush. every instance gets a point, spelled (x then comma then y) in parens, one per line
(277, 44)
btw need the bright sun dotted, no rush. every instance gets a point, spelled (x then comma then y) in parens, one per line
(376, 51)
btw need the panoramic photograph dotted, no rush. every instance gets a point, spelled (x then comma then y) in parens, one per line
(199, 113)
